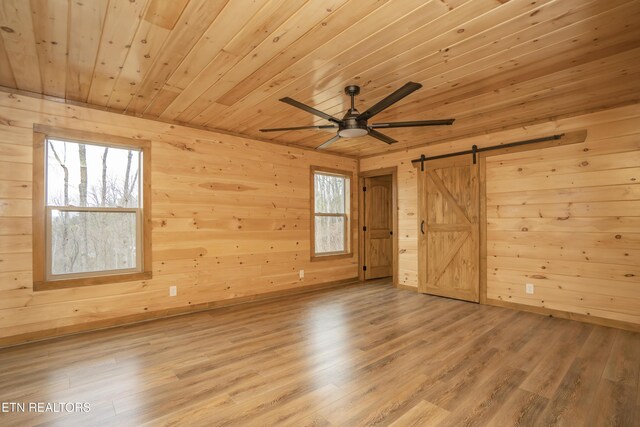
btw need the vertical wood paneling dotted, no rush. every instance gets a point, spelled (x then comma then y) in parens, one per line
(164, 14)
(230, 219)
(6, 73)
(228, 23)
(121, 21)
(249, 50)
(146, 46)
(20, 45)
(50, 23)
(86, 20)
(195, 19)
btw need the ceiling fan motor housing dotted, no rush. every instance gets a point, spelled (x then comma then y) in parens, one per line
(351, 127)
(352, 90)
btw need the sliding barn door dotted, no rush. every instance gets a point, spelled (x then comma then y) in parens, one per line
(449, 228)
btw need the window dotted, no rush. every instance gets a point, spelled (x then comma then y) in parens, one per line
(90, 227)
(331, 208)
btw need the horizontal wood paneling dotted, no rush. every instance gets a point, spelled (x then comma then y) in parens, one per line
(230, 219)
(615, 268)
(564, 218)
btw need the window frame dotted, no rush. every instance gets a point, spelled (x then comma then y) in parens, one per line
(348, 215)
(42, 278)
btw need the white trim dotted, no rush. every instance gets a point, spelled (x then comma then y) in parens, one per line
(72, 208)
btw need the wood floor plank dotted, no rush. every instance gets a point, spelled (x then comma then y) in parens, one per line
(522, 408)
(546, 376)
(613, 405)
(570, 404)
(480, 402)
(365, 354)
(624, 362)
(424, 413)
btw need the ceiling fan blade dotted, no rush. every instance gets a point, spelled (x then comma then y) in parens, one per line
(299, 128)
(413, 124)
(328, 143)
(308, 109)
(382, 137)
(390, 100)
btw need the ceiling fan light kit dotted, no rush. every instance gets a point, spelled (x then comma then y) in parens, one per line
(352, 132)
(355, 124)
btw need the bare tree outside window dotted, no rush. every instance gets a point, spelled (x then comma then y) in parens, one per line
(331, 203)
(93, 208)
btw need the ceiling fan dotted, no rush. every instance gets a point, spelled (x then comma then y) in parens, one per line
(354, 123)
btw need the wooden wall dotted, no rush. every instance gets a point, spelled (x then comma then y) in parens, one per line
(231, 219)
(566, 219)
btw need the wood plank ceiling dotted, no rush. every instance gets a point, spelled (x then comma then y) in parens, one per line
(491, 64)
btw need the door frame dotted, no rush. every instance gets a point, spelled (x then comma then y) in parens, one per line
(393, 171)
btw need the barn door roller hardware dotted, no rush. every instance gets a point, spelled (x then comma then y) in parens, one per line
(475, 150)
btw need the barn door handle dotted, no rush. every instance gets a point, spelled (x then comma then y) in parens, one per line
(422, 227)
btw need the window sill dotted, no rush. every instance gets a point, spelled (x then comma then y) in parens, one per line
(90, 281)
(329, 257)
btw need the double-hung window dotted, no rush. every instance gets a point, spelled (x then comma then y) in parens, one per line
(91, 209)
(331, 210)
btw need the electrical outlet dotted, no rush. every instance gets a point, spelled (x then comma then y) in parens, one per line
(173, 291)
(528, 288)
(302, 274)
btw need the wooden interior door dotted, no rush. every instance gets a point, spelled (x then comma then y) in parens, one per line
(378, 220)
(449, 242)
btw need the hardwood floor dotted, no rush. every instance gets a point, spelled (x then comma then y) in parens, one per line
(358, 355)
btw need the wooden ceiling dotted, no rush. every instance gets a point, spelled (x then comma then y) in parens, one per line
(491, 64)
